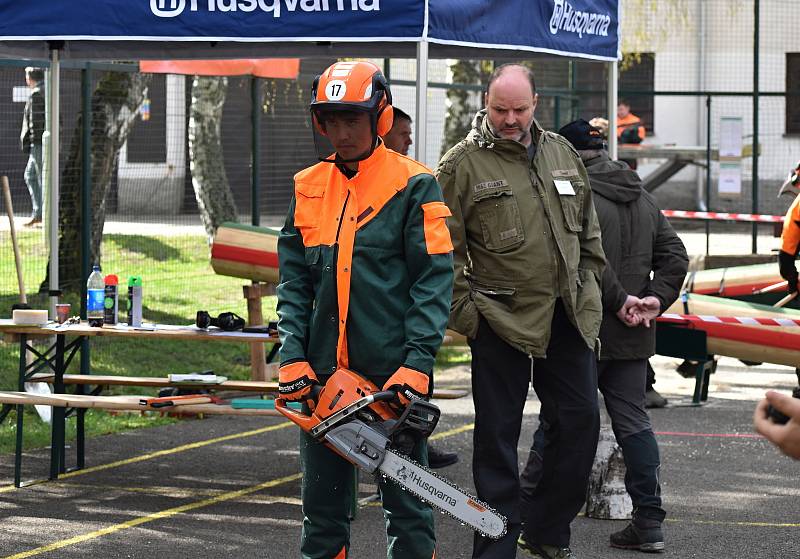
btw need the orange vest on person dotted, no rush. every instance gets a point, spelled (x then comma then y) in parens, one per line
(790, 237)
(628, 121)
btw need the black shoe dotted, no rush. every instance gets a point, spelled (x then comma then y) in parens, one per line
(642, 534)
(653, 399)
(544, 551)
(687, 368)
(439, 458)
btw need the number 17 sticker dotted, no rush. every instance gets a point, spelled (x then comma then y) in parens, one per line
(335, 90)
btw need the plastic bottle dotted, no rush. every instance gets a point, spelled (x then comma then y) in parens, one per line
(95, 293)
(111, 302)
(135, 301)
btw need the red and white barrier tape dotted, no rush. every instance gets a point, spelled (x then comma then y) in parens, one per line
(744, 320)
(722, 216)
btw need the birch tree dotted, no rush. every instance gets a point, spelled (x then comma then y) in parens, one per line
(211, 188)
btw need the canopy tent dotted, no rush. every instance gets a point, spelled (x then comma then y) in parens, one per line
(94, 30)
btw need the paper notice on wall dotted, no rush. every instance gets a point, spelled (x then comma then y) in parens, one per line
(730, 137)
(730, 179)
(730, 156)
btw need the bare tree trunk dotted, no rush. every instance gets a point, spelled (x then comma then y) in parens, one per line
(462, 104)
(211, 188)
(115, 103)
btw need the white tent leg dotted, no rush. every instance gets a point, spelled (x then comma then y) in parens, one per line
(420, 138)
(613, 75)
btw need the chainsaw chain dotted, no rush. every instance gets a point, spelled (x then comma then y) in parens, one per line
(451, 484)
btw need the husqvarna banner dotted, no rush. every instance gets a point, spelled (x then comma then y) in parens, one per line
(586, 28)
(213, 20)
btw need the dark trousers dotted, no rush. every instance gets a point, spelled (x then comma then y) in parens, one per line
(328, 496)
(622, 383)
(566, 385)
(651, 376)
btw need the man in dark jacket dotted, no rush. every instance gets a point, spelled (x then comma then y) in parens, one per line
(637, 240)
(30, 139)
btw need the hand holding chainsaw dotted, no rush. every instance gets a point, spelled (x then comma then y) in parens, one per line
(409, 384)
(296, 380)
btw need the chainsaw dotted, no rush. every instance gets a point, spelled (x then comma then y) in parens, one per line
(353, 418)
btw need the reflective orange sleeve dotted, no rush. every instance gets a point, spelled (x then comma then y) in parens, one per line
(790, 237)
(437, 235)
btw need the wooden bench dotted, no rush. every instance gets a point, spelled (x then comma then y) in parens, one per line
(122, 403)
(265, 387)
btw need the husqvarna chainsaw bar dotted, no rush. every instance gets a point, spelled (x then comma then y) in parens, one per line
(368, 449)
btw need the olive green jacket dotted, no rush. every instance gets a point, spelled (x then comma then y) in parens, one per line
(518, 243)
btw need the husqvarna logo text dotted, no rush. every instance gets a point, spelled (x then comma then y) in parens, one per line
(173, 8)
(566, 18)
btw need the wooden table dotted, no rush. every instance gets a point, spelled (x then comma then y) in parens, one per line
(56, 359)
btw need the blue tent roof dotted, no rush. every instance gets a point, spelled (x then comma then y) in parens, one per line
(99, 29)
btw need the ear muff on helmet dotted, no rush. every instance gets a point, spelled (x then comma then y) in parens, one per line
(314, 120)
(385, 120)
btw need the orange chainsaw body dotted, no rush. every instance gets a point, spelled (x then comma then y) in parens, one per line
(342, 389)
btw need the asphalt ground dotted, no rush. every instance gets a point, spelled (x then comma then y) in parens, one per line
(230, 487)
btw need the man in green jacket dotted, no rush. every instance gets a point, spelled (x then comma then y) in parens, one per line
(528, 262)
(366, 280)
(646, 266)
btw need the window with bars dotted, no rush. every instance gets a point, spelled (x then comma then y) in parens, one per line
(792, 93)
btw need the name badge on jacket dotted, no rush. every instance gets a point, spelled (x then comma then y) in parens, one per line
(564, 187)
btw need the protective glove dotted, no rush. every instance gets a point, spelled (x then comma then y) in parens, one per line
(409, 385)
(295, 381)
(788, 270)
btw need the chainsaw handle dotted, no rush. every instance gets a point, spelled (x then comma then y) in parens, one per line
(385, 396)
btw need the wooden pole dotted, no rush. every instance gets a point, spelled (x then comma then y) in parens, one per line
(785, 300)
(255, 317)
(23, 298)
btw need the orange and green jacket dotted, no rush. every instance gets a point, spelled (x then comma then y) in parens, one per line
(790, 237)
(366, 268)
(628, 122)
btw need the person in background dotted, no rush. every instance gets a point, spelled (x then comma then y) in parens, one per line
(787, 436)
(630, 129)
(366, 272)
(528, 262)
(399, 137)
(30, 139)
(790, 245)
(399, 140)
(638, 241)
(652, 398)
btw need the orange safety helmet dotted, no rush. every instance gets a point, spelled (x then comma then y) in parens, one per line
(353, 86)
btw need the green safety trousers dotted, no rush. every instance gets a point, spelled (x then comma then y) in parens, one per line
(329, 495)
